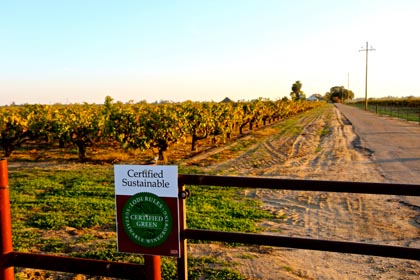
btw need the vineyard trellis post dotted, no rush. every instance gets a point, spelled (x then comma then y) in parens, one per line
(6, 247)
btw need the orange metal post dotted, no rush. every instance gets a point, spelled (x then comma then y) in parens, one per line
(6, 273)
(152, 264)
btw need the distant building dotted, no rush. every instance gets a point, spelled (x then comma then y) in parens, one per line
(226, 100)
(313, 98)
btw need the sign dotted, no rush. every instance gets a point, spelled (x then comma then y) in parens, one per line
(147, 209)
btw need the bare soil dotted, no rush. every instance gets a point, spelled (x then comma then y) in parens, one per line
(327, 148)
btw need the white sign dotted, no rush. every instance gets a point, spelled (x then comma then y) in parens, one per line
(161, 180)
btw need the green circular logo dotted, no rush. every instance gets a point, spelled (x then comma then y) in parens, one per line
(147, 219)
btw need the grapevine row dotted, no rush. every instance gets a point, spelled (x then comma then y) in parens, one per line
(402, 102)
(137, 125)
(404, 108)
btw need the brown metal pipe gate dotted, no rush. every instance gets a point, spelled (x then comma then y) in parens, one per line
(304, 243)
(10, 259)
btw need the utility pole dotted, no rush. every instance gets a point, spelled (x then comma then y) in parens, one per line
(348, 80)
(348, 84)
(366, 78)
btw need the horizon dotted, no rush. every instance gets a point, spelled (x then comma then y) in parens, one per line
(80, 52)
(357, 99)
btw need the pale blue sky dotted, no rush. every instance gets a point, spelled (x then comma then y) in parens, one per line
(83, 50)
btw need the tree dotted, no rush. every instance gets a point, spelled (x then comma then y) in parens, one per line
(297, 92)
(338, 94)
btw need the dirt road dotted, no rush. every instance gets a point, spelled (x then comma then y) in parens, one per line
(328, 147)
(395, 143)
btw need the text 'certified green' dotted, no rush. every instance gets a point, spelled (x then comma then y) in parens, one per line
(147, 219)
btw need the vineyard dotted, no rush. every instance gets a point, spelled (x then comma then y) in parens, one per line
(403, 108)
(65, 208)
(137, 126)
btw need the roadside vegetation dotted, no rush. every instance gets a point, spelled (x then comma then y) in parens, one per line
(402, 108)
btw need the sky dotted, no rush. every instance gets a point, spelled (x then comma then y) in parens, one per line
(204, 50)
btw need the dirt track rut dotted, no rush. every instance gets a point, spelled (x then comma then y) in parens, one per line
(324, 147)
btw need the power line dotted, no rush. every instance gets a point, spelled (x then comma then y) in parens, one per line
(366, 78)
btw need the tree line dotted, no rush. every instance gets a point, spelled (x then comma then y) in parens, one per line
(337, 94)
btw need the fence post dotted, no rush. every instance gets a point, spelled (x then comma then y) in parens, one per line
(152, 266)
(182, 262)
(6, 273)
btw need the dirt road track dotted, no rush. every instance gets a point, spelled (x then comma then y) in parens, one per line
(395, 143)
(329, 147)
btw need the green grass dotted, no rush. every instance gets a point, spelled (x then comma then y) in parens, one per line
(224, 209)
(242, 145)
(71, 211)
(212, 268)
(294, 126)
(401, 112)
(51, 199)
